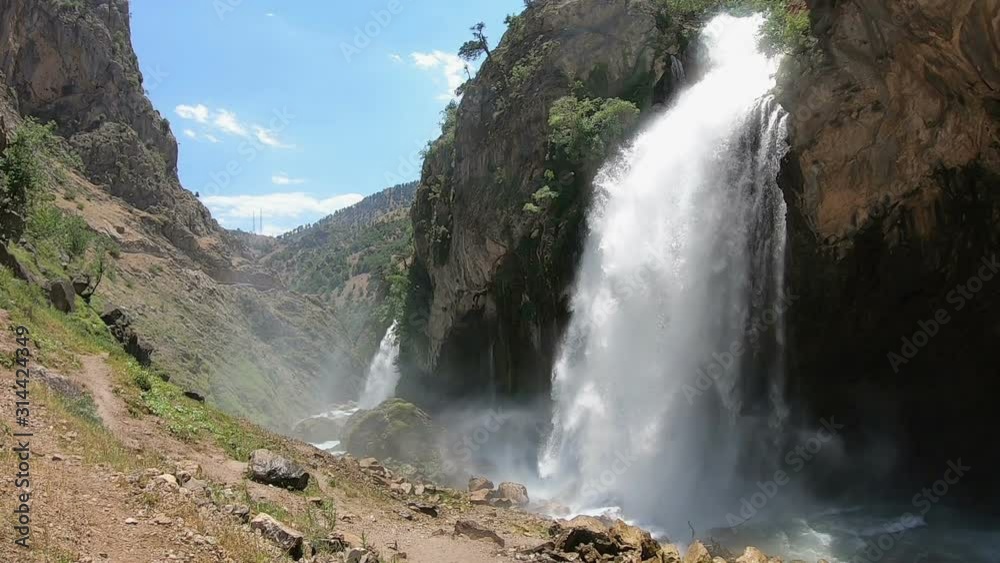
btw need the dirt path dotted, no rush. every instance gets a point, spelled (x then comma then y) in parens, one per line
(93, 512)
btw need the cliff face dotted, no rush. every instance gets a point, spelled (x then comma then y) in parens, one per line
(73, 63)
(893, 218)
(490, 278)
(217, 316)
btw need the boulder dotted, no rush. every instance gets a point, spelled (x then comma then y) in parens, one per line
(81, 285)
(395, 429)
(697, 553)
(480, 483)
(194, 396)
(316, 429)
(140, 349)
(481, 496)
(601, 539)
(271, 469)
(516, 492)
(472, 530)
(119, 322)
(752, 555)
(20, 271)
(288, 539)
(62, 296)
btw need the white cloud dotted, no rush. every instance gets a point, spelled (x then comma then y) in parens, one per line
(197, 112)
(227, 122)
(268, 138)
(269, 14)
(451, 66)
(283, 179)
(276, 205)
(394, 57)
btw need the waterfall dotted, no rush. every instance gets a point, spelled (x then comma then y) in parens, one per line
(383, 375)
(669, 378)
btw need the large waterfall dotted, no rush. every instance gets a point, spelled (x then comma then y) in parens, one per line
(670, 378)
(383, 374)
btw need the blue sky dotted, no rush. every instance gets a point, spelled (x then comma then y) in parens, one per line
(300, 108)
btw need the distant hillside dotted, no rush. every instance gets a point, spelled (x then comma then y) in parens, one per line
(349, 249)
(351, 261)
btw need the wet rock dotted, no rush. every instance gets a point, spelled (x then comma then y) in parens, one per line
(479, 484)
(288, 539)
(271, 469)
(516, 492)
(471, 529)
(62, 296)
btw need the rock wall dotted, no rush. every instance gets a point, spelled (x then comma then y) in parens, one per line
(893, 207)
(73, 63)
(490, 279)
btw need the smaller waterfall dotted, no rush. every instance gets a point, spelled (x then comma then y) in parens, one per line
(383, 375)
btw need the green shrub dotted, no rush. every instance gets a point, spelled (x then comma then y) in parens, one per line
(585, 130)
(22, 176)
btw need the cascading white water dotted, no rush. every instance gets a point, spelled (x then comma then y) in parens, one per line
(383, 375)
(669, 377)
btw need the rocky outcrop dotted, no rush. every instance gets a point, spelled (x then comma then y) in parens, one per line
(61, 295)
(73, 63)
(395, 429)
(119, 322)
(893, 222)
(487, 288)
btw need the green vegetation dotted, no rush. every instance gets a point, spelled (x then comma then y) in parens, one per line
(585, 130)
(31, 165)
(787, 27)
(22, 176)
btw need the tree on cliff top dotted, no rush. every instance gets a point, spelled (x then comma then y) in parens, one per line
(477, 46)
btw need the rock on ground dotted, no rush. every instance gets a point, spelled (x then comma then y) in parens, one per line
(270, 468)
(288, 539)
(480, 483)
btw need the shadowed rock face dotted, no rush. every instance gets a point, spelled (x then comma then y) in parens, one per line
(893, 207)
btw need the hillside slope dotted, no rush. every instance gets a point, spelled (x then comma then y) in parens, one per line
(221, 324)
